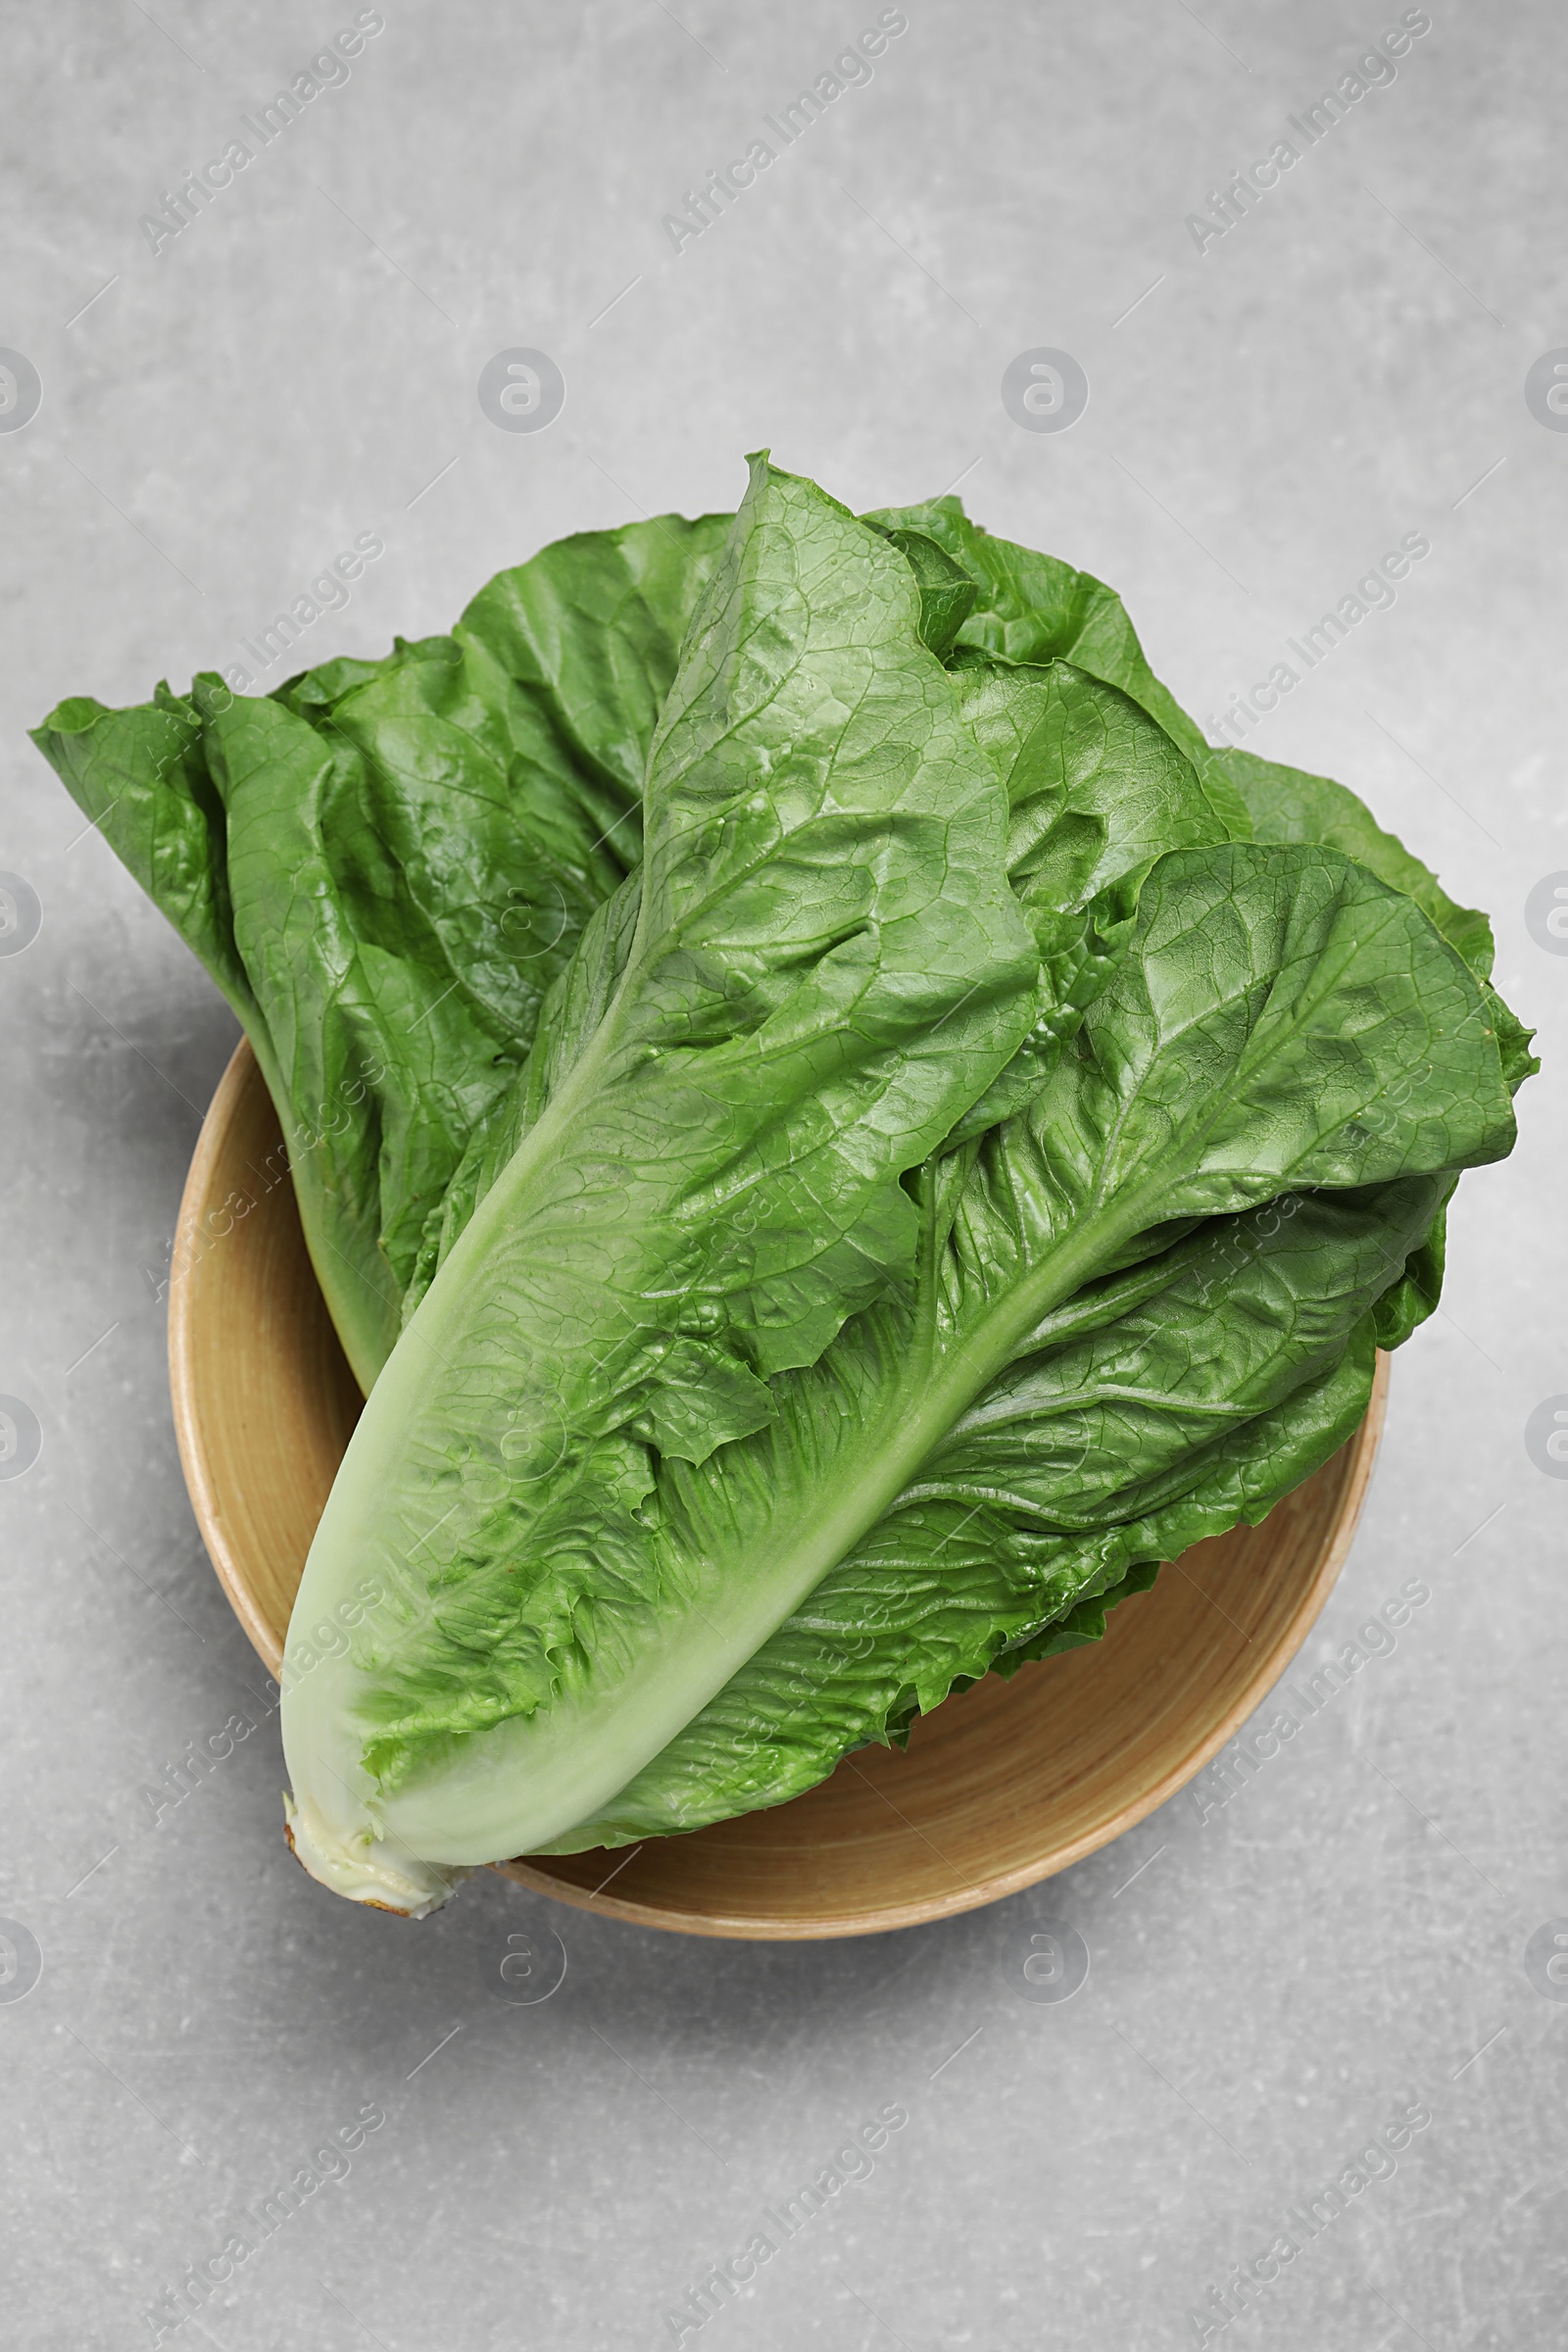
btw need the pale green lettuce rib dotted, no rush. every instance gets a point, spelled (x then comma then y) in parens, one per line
(826, 968)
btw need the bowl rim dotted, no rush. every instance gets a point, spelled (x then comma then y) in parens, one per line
(241, 1072)
(184, 1388)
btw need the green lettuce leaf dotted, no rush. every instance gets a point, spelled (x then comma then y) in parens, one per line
(1096, 792)
(1288, 804)
(1149, 1410)
(1254, 1040)
(1033, 609)
(1159, 1408)
(386, 865)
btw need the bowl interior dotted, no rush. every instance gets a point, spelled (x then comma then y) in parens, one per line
(999, 1787)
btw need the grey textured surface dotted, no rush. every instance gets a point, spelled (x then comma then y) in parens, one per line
(1284, 1972)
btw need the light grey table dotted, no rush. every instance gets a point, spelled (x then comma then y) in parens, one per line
(1273, 1980)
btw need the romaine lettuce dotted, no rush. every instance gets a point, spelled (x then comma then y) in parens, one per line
(975, 1153)
(699, 1363)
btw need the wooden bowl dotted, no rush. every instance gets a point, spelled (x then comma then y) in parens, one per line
(997, 1789)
